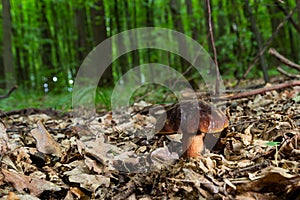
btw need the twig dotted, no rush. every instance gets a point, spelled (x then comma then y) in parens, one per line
(263, 90)
(266, 45)
(217, 91)
(287, 74)
(9, 92)
(283, 59)
(286, 13)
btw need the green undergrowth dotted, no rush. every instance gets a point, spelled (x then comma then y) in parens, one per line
(22, 98)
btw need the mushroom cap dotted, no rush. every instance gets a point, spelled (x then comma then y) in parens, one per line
(211, 119)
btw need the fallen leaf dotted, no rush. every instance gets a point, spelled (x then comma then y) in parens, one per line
(44, 141)
(22, 182)
(162, 156)
(4, 147)
(90, 182)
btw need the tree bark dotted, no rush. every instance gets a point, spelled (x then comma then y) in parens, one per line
(193, 21)
(134, 55)
(99, 35)
(123, 61)
(7, 45)
(298, 9)
(258, 39)
(176, 15)
(82, 35)
(48, 68)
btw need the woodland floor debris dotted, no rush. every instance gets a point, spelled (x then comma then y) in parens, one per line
(118, 158)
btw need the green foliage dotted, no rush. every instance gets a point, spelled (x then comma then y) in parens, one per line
(35, 99)
(272, 144)
(153, 93)
(63, 101)
(103, 96)
(67, 28)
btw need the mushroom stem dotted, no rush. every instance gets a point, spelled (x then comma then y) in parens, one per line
(193, 144)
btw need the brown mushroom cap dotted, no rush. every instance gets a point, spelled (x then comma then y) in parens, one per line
(195, 121)
(211, 120)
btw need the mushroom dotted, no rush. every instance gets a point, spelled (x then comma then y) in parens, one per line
(211, 120)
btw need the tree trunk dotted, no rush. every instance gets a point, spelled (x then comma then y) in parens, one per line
(221, 21)
(99, 35)
(22, 56)
(193, 21)
(7, 45)
(123, 61)
(82, 35)
(298, 9)
(134, 55)
(2, 70)
(258, 39)
(207, 26)
(47, 68)
(275, 21)
(176, 15)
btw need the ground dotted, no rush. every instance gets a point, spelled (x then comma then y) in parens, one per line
(51, 155)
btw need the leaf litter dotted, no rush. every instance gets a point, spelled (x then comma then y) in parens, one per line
(51, 156)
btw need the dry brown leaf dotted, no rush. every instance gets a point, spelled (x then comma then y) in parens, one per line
(4, 145)
(90, 182)
(200, 180)
(22, 182)
(162, 157)
(44, 141)
(256, 196)
(271, 179)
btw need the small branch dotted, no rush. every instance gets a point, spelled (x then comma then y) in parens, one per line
(9, 92)
(283, 59)
(263, 90)
(266, 45)
(295, 25)
(287, 74)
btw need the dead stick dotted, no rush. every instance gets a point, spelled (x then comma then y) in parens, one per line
(287, 74)
(263, 90)
(283, 59)
(9, 92)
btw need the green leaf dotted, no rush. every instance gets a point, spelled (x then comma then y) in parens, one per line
(272, 144)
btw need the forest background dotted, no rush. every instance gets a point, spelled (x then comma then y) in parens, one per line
(45, 42)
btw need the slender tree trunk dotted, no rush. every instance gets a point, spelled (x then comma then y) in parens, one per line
(131, 23)
(258, 39)
(193, 21)
(123, 61)
(176, 15)
(234, 17)
(149, 23)
(48, 68)
(207, 25)
(7, 45)
(221, 21)
(277, 43)
(298, 9)
(99, 35)
(82, 35)
(2, 70)
(23, 63)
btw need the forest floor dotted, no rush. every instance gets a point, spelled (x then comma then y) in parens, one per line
(45, 155)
